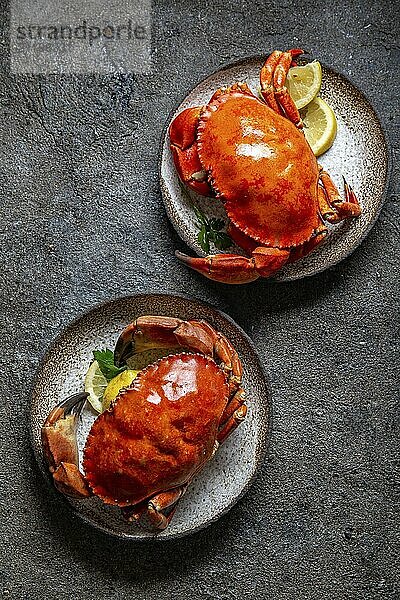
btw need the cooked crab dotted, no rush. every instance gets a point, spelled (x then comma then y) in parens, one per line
(142, 453)
(252, 155)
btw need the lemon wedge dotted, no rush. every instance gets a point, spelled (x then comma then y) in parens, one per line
(95, 384)
(304, 83)
(320, 126)
(115, 386)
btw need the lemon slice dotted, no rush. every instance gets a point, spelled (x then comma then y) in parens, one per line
(115, 386)
(303, 83)
(95, 384)
(320, 126)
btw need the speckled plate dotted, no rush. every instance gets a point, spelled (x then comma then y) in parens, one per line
(359, 153)
(224, 479)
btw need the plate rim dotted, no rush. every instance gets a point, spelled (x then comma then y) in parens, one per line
(388, 151)
(262, 449)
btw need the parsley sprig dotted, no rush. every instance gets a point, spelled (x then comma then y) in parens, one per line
(105, 359)
(211, 231)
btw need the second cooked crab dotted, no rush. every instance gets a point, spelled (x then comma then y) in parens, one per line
(142, 453)
(252, 155)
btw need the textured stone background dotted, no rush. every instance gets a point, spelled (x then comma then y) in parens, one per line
(82, 221)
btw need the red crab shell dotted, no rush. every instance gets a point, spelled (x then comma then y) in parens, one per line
(158, 432)
(262, 167)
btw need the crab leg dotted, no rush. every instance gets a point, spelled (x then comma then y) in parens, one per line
(333, 208)
(317, 238)
(266, 78)
(272, 78)
(229, 358)
(60, 447)
(233, 404)
(281, 93)
(242, 240)
(231, 424)
(156, 512)
(325, 209)
(182, 133)
(235, 269)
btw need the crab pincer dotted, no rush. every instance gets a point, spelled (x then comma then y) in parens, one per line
(60, 446)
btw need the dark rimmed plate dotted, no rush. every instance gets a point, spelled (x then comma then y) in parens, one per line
(225, 479)
(359, 153)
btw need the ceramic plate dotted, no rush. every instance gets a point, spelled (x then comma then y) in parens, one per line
(359, 153)
(224, 479)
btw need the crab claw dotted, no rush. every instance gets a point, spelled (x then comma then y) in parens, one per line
(146, 333)
(183, 132)
(60, 447)
(124, 346)
(272, 79)
(235, 269)
(156, 513)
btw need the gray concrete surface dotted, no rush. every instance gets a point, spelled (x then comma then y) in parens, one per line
(82, 221)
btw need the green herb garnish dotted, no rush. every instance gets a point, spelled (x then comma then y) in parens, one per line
(211, 231)
(105, 359)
